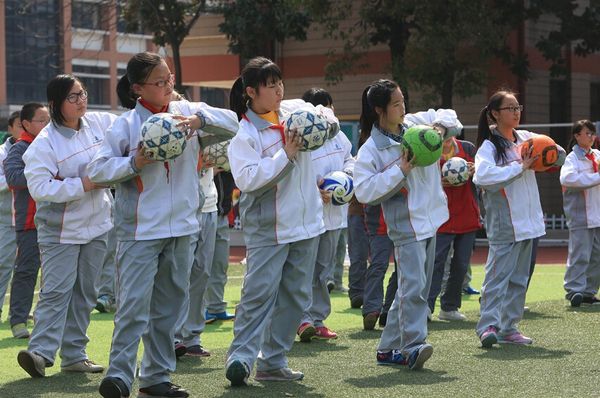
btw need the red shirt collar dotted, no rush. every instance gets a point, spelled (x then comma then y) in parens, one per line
(153, 109)
(26, 136)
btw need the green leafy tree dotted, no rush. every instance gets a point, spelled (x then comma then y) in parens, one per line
(169, 21)
(254, 27)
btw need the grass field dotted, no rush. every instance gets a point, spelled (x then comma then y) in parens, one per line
(564, 360)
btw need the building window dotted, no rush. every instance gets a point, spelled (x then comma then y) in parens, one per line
(96, 80)
(89, 15)
(32, 48)
(595, 102)
(218, 97)
(560, 111)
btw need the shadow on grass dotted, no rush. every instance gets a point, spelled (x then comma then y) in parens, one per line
(401, 376)
(538, 315)
(515, 352)
(445, 325)
(10, 342)
(273, 389)
(365, 334)
(197, 367)
(308, 349)
(585, 308)
(72, 384)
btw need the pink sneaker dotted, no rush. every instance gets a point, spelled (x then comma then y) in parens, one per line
(514, 338)
(489, 337)
(323, 333)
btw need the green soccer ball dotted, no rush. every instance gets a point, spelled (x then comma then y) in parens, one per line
(424, 143)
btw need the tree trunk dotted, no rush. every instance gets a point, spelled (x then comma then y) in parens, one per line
(448, 89)
(397, 44)
(177, 64)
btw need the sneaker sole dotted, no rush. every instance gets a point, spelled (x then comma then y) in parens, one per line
(108, 389)
(576, 300)
(237, 374)
(424, 354)
(500, 341)
(203, 355)
(489, 341)
(369, 321)
(180, 351)
(271, 378)
(307, 334)
(317, 337)
(450, 319)
(27, 362)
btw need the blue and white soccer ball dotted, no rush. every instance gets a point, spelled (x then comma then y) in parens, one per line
(313, 128)
(217, 155)
(341, 186)
(456, 171)
(161, 138)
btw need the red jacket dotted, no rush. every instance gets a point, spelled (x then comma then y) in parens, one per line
(462, 203)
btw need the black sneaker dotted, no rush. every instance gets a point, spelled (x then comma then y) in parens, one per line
(180, 349)
(576, 299)
(113, 387)
(591, 300)
(382, 319)
(356, 302)
(166, 390)
(237, 373)
(330, 286)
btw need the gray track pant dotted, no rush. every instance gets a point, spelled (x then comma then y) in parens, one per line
(8, 252)
(152, 281)
(504, 286)
(27, 266)
(275, 292)
(106, 280)
(406, 326)
(67, 297)
(337, 271)
(583, 262)
(380, 249)
(191, 321)
(320, 305)
(358, 251)
(215, 289)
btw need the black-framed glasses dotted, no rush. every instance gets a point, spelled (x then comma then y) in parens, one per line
(513, 109)
(72, 98)
(162, 83)
(588, 133)
(42, 121)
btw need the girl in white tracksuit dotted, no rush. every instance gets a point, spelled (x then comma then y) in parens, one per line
(580, 179)
(155, 216)
(334, 155)
(72, 220)
(282, 217)
(513, 218)
(414, 206)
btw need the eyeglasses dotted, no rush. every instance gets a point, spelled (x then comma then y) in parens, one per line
(588, 133)
(513, 109)
(72, 98)
(42, 121)
(162, 83)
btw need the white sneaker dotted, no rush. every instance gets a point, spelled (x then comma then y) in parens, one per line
(451, 316)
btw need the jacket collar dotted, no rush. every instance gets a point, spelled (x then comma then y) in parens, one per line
(580, 152)
(258, 121)
(381, 140)
(68, 132)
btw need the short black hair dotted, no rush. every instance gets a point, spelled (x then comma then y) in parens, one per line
(13, 116)
(318, 96)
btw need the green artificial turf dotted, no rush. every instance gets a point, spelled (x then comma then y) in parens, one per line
(563, 360)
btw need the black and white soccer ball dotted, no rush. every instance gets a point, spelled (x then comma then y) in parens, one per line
(217, 155)
(456, 171)
(161, 138)
(313, 128)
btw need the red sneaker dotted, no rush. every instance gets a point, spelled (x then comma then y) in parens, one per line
(306, 331)
(323, 332)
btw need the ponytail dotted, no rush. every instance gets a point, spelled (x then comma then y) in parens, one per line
(237, 100)
(377, 94)
(486, 118)
(126, 97)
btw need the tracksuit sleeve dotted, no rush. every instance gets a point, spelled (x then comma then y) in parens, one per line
(14, 168)
(442, 117)
(43, 180)
(253, 173)
(218, 124)
(371, 185)
(114, 161)
(489, 175)
(573, 179)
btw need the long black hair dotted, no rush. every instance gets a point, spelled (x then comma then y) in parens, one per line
(317, 96)
(377, 94)
(139, 68)
(577, 127)
(258, 71)
(57, 91)
(486, 119)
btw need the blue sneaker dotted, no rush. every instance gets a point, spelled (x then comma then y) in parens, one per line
(469, 290)
(209, 318)
(219, 316)
(419, 356)
(391, 358)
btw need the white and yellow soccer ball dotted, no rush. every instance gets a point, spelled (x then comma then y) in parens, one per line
(217, 155)
(161, 138)
(456, 171)
(313, 128)
(340, 185)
